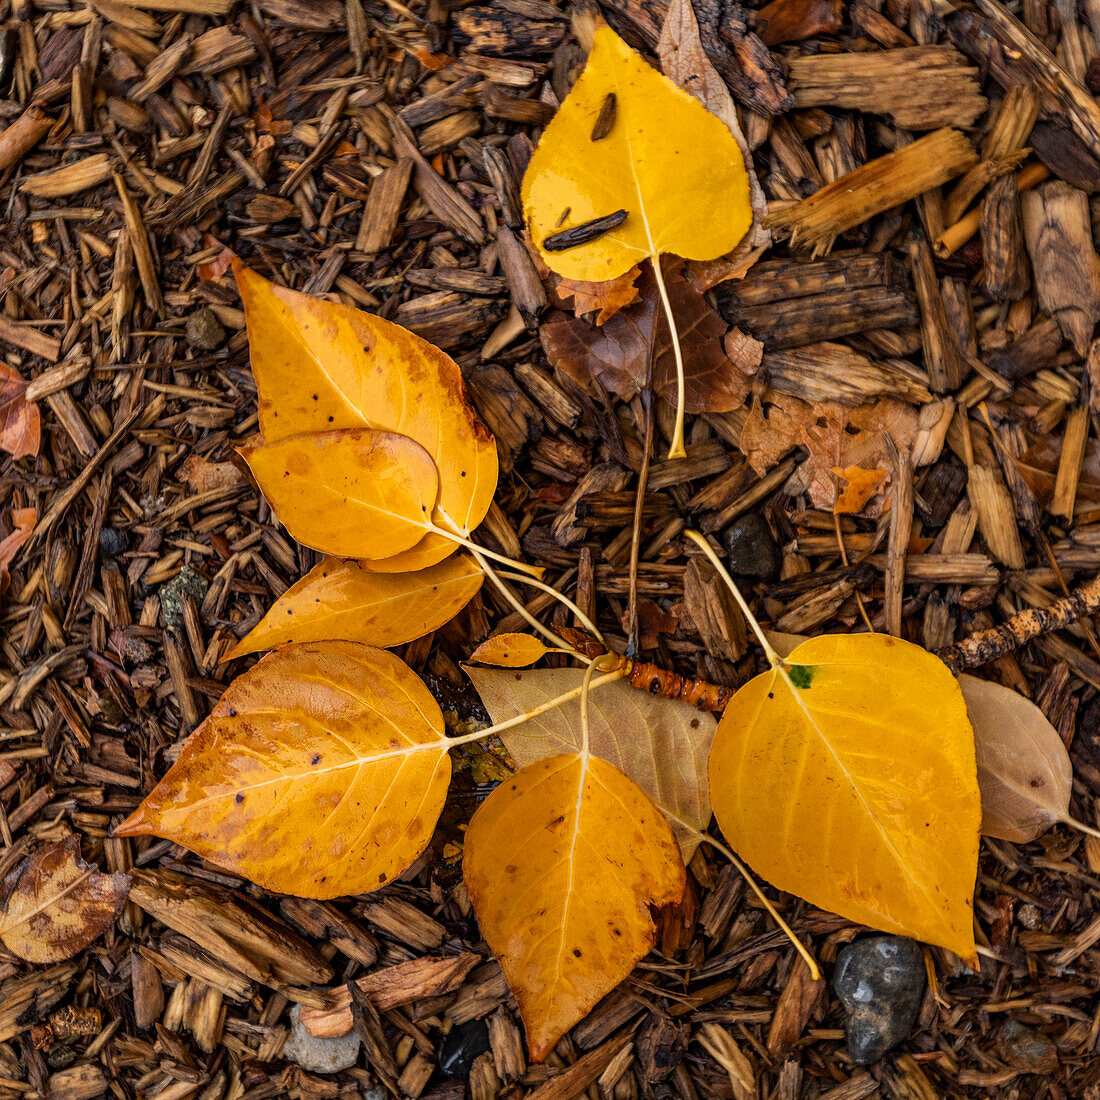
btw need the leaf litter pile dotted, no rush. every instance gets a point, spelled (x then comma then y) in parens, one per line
(454, 358)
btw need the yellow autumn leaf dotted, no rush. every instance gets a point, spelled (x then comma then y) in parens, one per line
(340, 599)
(356, 493)
(563, 863)
(510, 651)
(847, 776)
(665, 159)
(321, 366)
(321, 772)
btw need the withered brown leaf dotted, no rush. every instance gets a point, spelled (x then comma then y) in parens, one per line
(617, 354)
(56, 904)
(20, 420)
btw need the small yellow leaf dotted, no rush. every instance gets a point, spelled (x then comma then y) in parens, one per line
(668, 162)
(851, 781)
(321, 365)
(321, 772)
(339, 599)
(510, 651)
(355, 493)
(859, 486)
(563, 862)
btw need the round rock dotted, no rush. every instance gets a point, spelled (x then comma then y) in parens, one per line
(316, 1055)
(880, 981)
(751, 548)
(204, 332)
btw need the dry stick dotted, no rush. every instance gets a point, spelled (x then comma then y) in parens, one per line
(632, 645)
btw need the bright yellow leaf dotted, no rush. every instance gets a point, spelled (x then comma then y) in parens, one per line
(563, 862)
(356, 493)
(668, 162)
(320, 365)
(850, 781)
(341, 599)
(509, 651)
(321, 772)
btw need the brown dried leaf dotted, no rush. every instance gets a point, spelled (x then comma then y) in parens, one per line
(24, 520)
(835, 436)
(608, 296)
(203, 475)
(1038, 466)
(20, 422)
(617, 354)
(57, 904)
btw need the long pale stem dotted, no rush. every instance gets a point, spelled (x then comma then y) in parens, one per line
(588, 685)
(773, 658)
(518, 607)
(677, 449)
(585, 621)
(746, 874)
(458, 537)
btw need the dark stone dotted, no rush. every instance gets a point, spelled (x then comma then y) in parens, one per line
(461, 1046)
(752, 549)
(880, 980)
(204, 331)
(187, 582)
(1028, 1049)
(112, 541)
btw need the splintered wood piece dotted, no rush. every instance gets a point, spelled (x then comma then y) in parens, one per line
(920, 88)
(714, 611)
(23, 135)
(56, 183)
(1067, 269)
(901, 525)
(834, 372)
(996, 516)
(1074, 440)
(942, 355)
(874, 188)
(383, 207)
(526, 287)
(390, 987)
(1006, 274)
(797, 1003)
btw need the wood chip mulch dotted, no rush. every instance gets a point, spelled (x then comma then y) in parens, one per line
(373, 151)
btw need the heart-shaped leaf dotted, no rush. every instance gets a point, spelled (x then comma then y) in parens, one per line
(57, 904)
(356, 493)
(1024, 770)
(340, 599)
(848, 778)
(321, 772)
(661, 744)
(628, 139)
(320, 365)
(563, 862)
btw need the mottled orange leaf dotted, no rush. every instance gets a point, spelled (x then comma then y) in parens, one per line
(356, 493)
(320, 772)
(20, 421)
(510, 651)
(220, 264)
(24, 520)
(564, 862)
(56, 904)
(321, 366)
(859, 486)
(608, 296)
(341, 599)
(202, 475)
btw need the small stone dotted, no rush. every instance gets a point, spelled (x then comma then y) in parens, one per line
(752, 549)
(1030, 916)
(112, 541)
(187, 582)
(316, 1055)
(375, 1093)
(461, 1045)
(1027, 1049)
(880, 981)
(204, 331)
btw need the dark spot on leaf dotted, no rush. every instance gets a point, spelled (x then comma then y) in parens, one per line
(576, 952)
(239, 799)
(1037, 781)
(695, 723)
(802, 675)
(315, 758)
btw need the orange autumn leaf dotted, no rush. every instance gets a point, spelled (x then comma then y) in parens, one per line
(220, 264)
(58, 904)
(322, 366)
(510, 651)
(341, 599)
(20, 421)
(564, 862)
(321, 772)
(24, 520)
(355, 493)
(608, 296)
(859, 486)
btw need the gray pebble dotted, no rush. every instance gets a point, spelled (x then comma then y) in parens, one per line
(316, 1055)
(204, 332)
(752, 549)
(880, 981)
(187, 582)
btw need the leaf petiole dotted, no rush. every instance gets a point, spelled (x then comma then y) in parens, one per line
(585, 621)
(677, 449)
(587, 686)
(458, 537)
